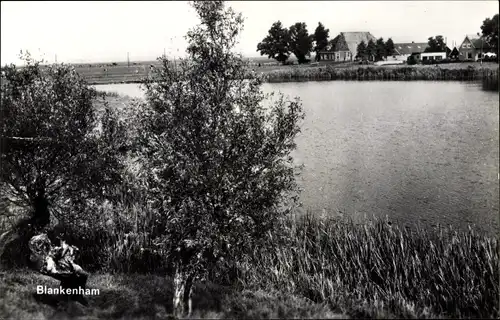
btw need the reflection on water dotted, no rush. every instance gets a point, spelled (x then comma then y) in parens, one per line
(414, 151)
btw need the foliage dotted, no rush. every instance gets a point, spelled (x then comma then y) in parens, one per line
(412, 60)
(59, 155)
(371, 50)
(489, 29)
(361, 50)
(375, 269)
(276, 45)
(436, 44)
(321, 39)
(389, 47)
(380, 50)
(221, 174)
(301, 43)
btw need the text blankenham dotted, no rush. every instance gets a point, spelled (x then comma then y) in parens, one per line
(68, 291)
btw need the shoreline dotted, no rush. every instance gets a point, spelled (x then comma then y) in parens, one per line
(329, 72)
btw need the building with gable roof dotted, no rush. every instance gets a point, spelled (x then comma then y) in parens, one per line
(344, 47)
(473, 47)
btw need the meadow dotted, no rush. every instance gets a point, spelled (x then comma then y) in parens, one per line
(107, 73)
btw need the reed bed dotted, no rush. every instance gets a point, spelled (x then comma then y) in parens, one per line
(379, 270)
(380, 73)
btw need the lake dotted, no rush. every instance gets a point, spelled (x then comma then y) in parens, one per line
(416, 152)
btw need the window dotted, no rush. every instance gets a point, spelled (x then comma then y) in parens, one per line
(438, 57)
(468, 46)
(464, 46)
(424, 58)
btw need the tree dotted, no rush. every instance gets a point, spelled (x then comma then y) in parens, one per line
(489, 30)
(321, 39)
(361, 50)
(301, 43)
(218, 158)
(380, 49)
(276, 45)
(436, 44)
(371, 50)
(389, 47)
(58, 154)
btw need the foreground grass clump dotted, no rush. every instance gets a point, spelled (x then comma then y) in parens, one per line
(135, 296)
(378, 270)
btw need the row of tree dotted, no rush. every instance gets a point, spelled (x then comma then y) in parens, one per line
(281, 42)
(375, 50)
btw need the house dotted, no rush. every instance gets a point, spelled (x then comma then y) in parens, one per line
(344, 47)
(437, 56)
(473, 47)
(403, 50)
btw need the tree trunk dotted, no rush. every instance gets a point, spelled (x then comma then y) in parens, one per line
(183, 290)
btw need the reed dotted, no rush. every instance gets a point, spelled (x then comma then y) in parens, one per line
(378, 270)
(380, 73)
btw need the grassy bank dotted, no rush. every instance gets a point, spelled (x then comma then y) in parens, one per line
(398, 73)
(98, 74)
(324, 268)
(135, 296)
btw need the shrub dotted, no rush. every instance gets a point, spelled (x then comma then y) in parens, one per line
(59, 155)
(221, 174)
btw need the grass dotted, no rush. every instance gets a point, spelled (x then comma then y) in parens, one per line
(452, 71)
(379, 270)
(121, 73)
(324, 268)
(136, 296)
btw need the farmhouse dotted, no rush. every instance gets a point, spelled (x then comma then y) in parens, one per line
(473, 47)
(344, 47)
(403, 50)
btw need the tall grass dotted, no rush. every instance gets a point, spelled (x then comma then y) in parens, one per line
(376, 270)
(379, 73)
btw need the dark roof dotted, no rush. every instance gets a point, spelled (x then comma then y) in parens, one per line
(477, 41)
(409, 48)
(352, 40)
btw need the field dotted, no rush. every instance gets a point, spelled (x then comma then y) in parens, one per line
(273, 72)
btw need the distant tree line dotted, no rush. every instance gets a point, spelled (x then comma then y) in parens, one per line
(281, 42)
(375, 50)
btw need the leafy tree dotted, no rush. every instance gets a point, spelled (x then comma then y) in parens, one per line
(301, 43)
(276, 45)
(321, 39)
(489, 30)
(436, 44)
(389, 47)
(58, 154)
(361, 50)
(220, 170)
(371, 50)
(380, 49)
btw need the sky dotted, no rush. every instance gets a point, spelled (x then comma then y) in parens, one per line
(100, 31)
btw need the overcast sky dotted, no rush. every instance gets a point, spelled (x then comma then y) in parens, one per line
(106, 31)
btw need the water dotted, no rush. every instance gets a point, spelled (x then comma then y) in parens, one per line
(413, 151)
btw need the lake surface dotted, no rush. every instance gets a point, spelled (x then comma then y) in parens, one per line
(415, 151)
